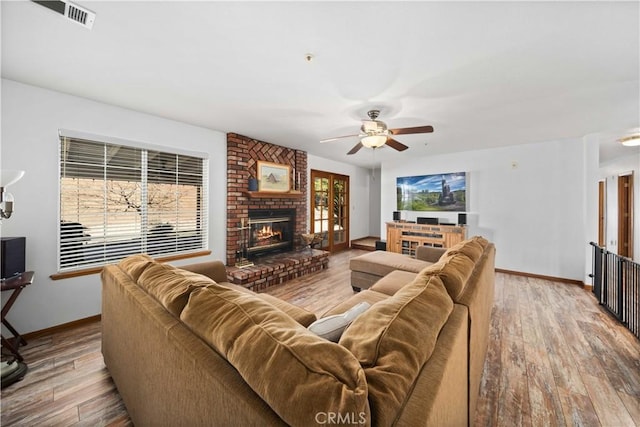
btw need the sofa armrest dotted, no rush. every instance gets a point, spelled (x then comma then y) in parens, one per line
(427, 253)
(215, 270)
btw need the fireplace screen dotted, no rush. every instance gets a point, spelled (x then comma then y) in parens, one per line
(267, 234)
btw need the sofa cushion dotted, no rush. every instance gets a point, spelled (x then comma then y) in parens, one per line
(393, 282)
(394, 339)
(473, 248)
(332, 327)
(296, 372)
(134, 265)
(429, 253)
(368, 296)
(299, 314)
(170, 285)
(481, 241)
(454, 269)
(214, 270)
(361, 280)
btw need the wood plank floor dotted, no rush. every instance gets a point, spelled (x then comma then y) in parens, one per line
(555, 358)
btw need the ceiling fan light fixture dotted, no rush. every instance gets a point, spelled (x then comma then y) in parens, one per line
(375, 133)
(373, 126)
(630, 141)
(373, 141)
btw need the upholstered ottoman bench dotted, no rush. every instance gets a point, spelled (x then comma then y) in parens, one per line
(368, 268)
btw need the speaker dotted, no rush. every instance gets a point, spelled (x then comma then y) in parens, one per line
(396, 216)
(462, 219)
(427, 220)
(12, 250)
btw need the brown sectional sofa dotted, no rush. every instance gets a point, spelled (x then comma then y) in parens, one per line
(185, 347)
(475, 291)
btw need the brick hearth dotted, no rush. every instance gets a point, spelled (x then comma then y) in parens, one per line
(277, 269)
(243, 154)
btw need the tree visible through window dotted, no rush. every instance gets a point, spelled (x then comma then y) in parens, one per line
(118, 200)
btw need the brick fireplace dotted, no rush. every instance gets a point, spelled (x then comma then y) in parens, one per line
(243, 154)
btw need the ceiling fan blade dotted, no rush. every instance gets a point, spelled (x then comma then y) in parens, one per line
(396, 145)
(322, 141)
(355, 149)
(406, 131)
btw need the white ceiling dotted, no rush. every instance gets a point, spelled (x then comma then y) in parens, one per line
(483, 74)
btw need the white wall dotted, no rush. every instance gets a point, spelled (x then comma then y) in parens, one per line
(527, 199)
(31, 118)
(375, 193)
(359, 182)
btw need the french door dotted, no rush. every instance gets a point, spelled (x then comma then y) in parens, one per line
(330, 209)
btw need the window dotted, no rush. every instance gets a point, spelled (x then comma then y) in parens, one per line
(120, 199)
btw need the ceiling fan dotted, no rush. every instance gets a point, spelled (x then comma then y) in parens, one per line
(374, 134)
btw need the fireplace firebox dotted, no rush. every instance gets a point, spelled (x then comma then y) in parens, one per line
(270, 231)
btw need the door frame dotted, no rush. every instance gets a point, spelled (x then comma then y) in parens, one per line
(602, 215)
(331, 245)
(625, 215)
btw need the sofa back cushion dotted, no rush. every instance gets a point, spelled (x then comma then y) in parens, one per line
(393, 340)
(473, 248)
(297, 373)
(134, 265)
(454, 270)
(171, 286)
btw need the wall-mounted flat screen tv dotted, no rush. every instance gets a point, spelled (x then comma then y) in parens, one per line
(438, 192)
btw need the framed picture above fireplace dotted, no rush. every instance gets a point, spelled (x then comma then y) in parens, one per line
(273, 177)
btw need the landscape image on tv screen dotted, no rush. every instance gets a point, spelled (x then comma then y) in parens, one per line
(438, 192)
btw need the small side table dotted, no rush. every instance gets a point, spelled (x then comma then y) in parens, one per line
(16, 284)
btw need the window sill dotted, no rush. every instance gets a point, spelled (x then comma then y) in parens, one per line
(96, 270)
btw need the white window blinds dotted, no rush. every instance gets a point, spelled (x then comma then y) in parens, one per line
(118, 200)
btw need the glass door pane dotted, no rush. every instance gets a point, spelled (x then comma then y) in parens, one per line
(321, 207)
(330, 209)
(340, 212)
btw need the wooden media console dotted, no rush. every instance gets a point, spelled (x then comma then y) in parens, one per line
(405, 237)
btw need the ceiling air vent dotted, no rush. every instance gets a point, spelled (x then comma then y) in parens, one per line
(71, 11)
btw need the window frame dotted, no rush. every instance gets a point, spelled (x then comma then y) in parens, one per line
(65, 271)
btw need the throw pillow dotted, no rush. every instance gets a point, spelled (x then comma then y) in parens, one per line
(332, 327)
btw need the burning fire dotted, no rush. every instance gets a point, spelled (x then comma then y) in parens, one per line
(266, 232)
